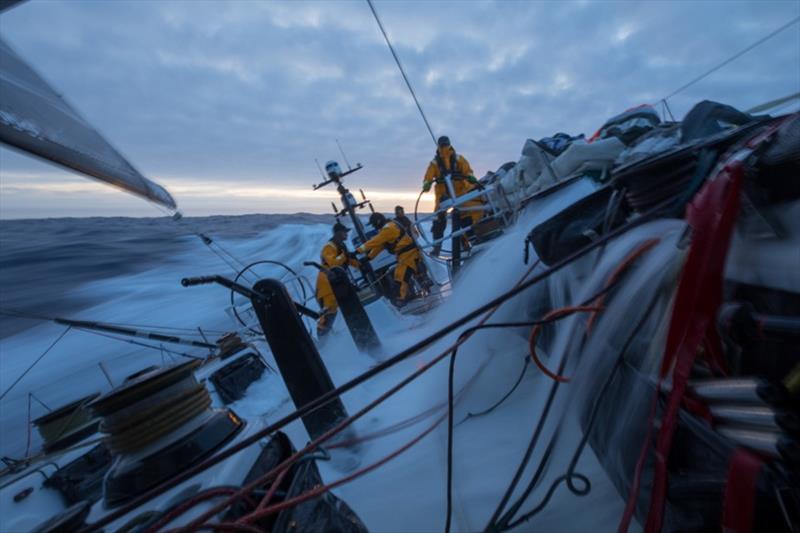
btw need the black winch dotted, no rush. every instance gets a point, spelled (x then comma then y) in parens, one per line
(67, 425)
(158, 424)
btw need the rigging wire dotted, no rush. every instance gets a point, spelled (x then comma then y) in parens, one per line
(158, 348)
(176, 216)
(183, 331)
(402, 70)
(732, 58)
(35, 362)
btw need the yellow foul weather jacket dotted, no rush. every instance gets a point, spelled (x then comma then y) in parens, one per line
(394, 239)
(443, 165)
(331, 256)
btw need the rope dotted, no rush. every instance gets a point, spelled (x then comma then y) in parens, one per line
(172, 514)
(34, 363)
(319, 490)
(550, 317)
(372, 372)
(135, 432)
(579, 450)
(732, 58)
(554, 315)
(402, 71)
(68, 422)
(499, 402)
(348, 421)
(498, 519)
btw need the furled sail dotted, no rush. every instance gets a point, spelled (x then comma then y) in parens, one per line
(34, 118)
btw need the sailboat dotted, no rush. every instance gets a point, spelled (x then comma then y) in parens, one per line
(648, 276)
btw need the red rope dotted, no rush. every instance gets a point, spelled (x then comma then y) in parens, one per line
(230, 527)
(322, 489)
(282, 469)
(214, 492)
(342, 425)
(555, 314)
(712, 215)
(266, 499)
(618, 271)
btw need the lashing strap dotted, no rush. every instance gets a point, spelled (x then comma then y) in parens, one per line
(739, 500)
(711, 215)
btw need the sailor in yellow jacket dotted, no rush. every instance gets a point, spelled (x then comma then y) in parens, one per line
(447, 161)
(396, 240)
(334, 254)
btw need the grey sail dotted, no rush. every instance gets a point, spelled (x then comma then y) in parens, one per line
(35, 119)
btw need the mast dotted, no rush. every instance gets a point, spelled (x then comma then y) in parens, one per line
(350, 205)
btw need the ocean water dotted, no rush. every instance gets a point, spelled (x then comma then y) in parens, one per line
(128, 271)
(122, 271)
(45, 263)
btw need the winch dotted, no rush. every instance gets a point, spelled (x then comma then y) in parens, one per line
(156, 425)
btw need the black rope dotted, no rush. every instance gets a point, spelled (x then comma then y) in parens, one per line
(402, 71)
(35, 362)
(506, 522)
(498, 403)
(450, 409)
(331, 395)
(450, 400)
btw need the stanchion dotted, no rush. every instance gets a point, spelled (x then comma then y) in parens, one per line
(455, 223)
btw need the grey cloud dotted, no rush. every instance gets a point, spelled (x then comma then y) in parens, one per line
(253, 91)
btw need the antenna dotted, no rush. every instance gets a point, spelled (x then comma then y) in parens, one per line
(321, 173)
(343, 156)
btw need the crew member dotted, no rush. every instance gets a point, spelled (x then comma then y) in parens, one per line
(396, 240)
(405, 222)
(447, 162)
(334, 254)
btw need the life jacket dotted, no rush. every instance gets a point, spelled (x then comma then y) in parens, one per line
(339, 251)
(454, 173)
(391, 247)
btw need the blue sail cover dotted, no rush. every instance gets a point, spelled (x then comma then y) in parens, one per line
(36, 120)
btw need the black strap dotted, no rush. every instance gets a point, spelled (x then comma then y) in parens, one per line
(340, 249)
(391, 246)
(454, 173)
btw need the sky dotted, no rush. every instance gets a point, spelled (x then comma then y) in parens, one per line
(227, 104)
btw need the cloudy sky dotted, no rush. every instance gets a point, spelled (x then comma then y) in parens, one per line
(228, 103)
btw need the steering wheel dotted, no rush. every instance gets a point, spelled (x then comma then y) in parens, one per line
(290, 278)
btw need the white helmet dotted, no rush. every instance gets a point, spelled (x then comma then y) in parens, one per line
(332, 168)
